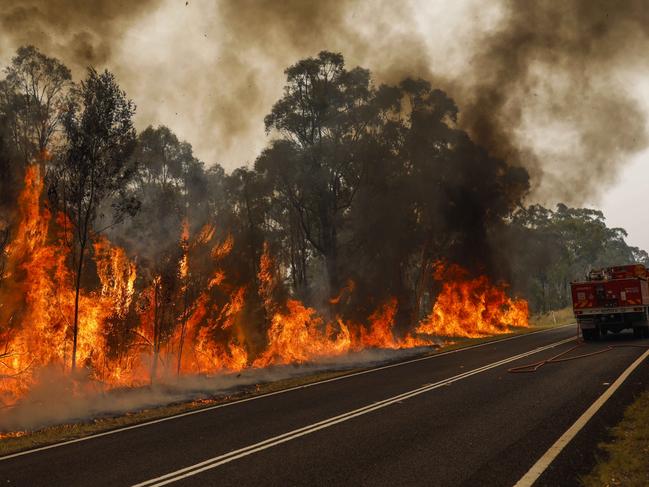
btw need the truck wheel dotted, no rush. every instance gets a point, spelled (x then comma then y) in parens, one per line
(587, 335)
(638, 332)
(645, 332)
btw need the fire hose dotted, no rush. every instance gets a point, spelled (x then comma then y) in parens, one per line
(561, 357)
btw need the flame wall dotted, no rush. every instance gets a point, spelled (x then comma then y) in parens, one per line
(134, 329)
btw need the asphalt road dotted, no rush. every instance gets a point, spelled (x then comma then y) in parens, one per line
(402, 425)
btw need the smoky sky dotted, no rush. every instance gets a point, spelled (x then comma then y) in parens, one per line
(555, 73)
(546, 85)
(82, 33)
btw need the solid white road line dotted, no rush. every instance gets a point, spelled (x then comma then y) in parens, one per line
(548, 457)
(262, 396)
(291, 435)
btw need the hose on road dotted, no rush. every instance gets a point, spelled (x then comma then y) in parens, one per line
(561, 357)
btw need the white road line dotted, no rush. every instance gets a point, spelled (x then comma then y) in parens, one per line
(291, 435)
(269, 394)
(548, 457)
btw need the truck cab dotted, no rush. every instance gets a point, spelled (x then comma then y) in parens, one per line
(612, 299)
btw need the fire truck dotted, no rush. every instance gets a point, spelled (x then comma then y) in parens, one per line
(612, 299)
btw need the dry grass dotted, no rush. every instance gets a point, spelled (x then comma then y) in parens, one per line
(626, 456)
(553, 318)
(19, 441)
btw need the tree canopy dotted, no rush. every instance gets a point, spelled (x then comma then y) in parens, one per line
(360, 192)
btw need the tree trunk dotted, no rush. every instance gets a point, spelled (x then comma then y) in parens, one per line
(75, 328)
(331, 261)
(182, 332)
(420, 285)
(297, 255)
(331, 253)
(154, 365)
(156, 330)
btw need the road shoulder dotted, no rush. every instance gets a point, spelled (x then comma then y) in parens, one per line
(579, 463)
(625, 453)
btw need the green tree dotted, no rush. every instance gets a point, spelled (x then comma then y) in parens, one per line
(324, 114)
(549, 248)
(32, 99)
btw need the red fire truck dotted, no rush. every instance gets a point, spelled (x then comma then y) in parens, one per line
(612, 299)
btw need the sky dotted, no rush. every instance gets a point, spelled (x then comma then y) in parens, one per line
(625, 199)
(560, 86)
(626, 202)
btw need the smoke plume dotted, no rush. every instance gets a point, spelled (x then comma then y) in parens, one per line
(80, 33)
(545, 85)
(550, 91)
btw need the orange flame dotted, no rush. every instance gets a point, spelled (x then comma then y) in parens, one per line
(116, 273)
(472, 307)
(36, 332)
(206, 332)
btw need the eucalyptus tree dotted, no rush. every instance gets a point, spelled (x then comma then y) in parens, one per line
(33, 99)
(95, 167)
(324, 115)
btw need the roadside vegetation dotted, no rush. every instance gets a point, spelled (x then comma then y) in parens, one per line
(546, 249)
(557, 317)
(626, 460)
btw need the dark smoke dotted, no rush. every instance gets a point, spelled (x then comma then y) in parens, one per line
(79, 32)
(545, 90)
(275, 34)
(564, 63)
(547, 86)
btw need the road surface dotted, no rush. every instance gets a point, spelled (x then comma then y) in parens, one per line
(455, 419)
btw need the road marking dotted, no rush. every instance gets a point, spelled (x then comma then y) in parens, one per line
(548, 457)
(312, 428)
(269, 394)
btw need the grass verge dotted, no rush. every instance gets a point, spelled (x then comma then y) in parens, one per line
(626, 461)
(25, 440)
(553, 318)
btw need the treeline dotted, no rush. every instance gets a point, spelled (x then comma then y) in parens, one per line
(361, 192)
(550, 248)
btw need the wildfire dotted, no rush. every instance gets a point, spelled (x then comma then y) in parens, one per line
(116, 273)
(129, 337)
(472, 307)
